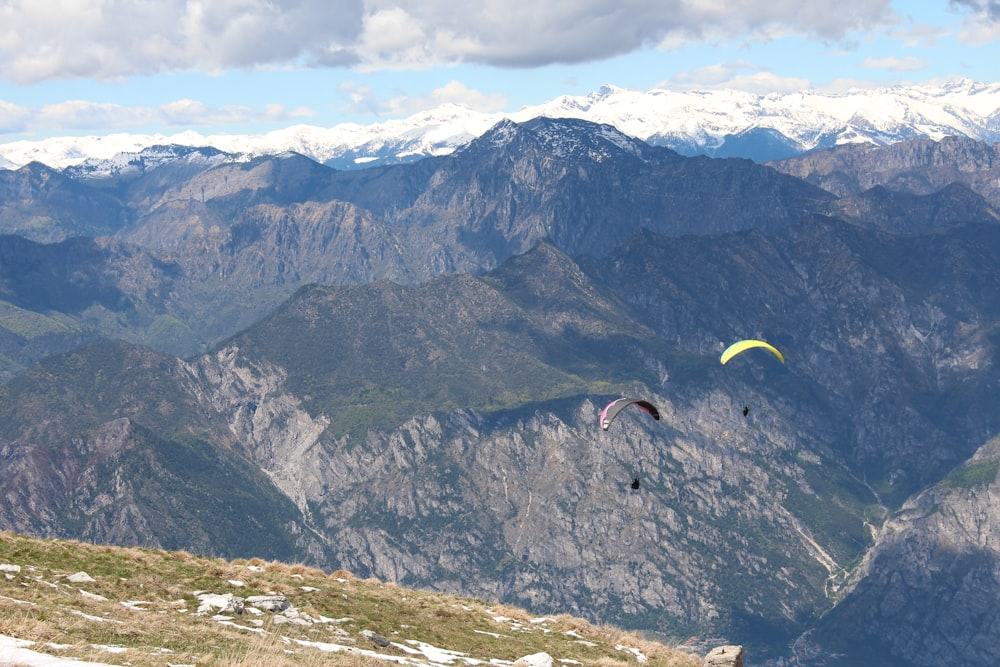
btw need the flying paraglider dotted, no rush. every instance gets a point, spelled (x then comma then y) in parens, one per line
(612, 409)
(743, 345)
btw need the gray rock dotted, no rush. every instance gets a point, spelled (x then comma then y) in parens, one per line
(725, 656)
(222, 604)
(534, 660)
(274, 603)
(376, 638)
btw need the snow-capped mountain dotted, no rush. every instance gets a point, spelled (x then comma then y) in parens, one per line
(723, 123)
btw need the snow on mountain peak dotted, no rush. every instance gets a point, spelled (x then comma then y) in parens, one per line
(691, 122)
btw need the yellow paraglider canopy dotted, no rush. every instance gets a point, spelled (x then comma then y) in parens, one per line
(743, 345)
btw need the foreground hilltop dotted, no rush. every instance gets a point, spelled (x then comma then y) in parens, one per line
(139, 607)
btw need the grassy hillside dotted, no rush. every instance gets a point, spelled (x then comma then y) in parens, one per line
(142, 607)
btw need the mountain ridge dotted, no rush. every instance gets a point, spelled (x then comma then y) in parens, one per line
(201, 250)
(723, 123)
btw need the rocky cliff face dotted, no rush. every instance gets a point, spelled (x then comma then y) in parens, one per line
(920, 167)
(124, 452)
(41, 204)
(926, 593)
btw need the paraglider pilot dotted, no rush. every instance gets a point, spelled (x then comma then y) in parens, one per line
(746, 410)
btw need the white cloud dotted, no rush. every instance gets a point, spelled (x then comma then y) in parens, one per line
(518, 34)
(735, 75)
(455, 92)
(361, 98)
(920, 36)
(979, 32)
(847, 84)
(983, 26)
(109, 39)
(988, 10)
(113, 39)
(13, 118)
(192, 112)
(905, 64)
(83, 115)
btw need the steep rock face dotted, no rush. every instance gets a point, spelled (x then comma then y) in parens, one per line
(905, 213)
(172, 206)
(266, 422)
(541, 511)
(43, 205)
(926, 593)
(127, 456)
(896, 356)
(326, 242)
(562, 180)
(920, 166)
(842, 412)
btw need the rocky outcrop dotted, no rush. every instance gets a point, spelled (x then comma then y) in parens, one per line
(376, 639)
(534, 660)
(939, 555)
(272, 603)
(268, 424)
(919, 167)
(725, 656)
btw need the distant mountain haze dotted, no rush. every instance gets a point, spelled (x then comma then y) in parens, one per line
(719, 123)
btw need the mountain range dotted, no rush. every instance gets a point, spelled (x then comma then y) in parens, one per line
(398, 370)
(723, 123)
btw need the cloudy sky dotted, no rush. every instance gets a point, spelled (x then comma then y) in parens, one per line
(94, 67)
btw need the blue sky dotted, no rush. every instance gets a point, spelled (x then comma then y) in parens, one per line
(96, 67)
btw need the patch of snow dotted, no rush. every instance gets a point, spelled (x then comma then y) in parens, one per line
(225, 620)
(93, 596)
(639, 656)
(16, 601)
(16, 652)
(496, 635)
(438, 656)
(110, 648)
(534, 660)
(91, 617)
(135, 605)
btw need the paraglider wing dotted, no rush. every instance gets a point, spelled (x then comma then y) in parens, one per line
(612, 409)
(744, 345)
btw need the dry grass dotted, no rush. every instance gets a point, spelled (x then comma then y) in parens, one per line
(144, 602)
